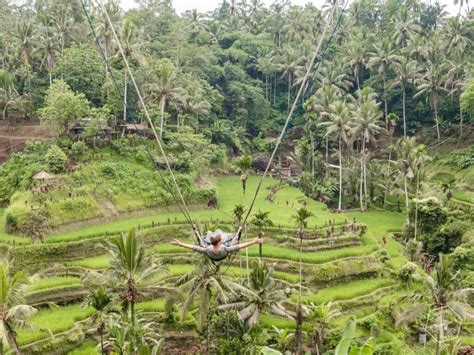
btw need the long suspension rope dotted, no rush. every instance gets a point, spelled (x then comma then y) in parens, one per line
(130, 118)
(145, 110)
(295, 102)
(184, 209)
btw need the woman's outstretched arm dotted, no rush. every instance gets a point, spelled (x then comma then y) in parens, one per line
(245, 245)
(188, 246)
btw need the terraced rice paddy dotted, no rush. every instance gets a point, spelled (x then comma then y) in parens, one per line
(349, 281)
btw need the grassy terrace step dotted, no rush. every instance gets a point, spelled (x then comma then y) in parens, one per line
(346, 291)
(88, 348)
(53, 282)
(56, 320)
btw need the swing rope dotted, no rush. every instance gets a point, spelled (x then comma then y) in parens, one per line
(300, 92)
(181, 202)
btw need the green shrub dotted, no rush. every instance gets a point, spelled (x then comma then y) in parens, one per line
(56, 159)
(78, 148)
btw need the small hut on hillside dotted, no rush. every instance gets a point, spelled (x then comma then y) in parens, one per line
(42, 176)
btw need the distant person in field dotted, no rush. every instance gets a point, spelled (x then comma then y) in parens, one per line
(218, 245)
(243, 178)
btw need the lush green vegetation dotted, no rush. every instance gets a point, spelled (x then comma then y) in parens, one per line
(367, 217)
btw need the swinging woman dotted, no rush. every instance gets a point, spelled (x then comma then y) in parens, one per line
(215, 247)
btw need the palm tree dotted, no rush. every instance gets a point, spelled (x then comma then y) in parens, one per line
(446, 296)
(130, 268)
(383, 57)
(261, 220)
(322, 103)
(405, 29)
(448, 186)
(263, 296)
(456, 80)
(456, 35)
(9, 97)
(206, 283)
(132, 45)
(165, 88)
(431, 83)
(356, 53)
(290, 62)
(104, 30)
(310, 127)
(406, 149)
(101, 302)
(64, 20)
(48, 39)
(320, 317)
(25, 36)
(406, 73)
(13, 311)
(238, 213)
(301, 218)
(366, 126)
(416, 48)
(339, 125)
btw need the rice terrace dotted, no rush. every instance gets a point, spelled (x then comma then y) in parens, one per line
(236, 177)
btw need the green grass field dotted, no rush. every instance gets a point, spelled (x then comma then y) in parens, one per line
(346, 291)
(53, 282)
(55, 320)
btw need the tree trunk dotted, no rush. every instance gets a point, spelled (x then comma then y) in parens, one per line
(50, 78)
(404, 112)
(11, 337)
(340, 175)
(385, 102)
(289, 90)
(312, 154)
(365, 172)
(435, 107)
(327, 156)
(299, 331)
(461, 122)
(361, 198)
(440, 337)
(416, 203)
(125, 97)
(162, 110)
(357, 75)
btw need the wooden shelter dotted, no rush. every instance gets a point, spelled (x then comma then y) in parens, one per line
(43, 175)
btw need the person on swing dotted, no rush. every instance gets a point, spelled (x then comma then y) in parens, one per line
(216, 249)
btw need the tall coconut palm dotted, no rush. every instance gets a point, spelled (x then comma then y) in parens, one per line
(382, 58)
(263, 296)
(431, 83)
(13, 311)
(339, 125)
(64, 21)
(405, 29)
(366, 127)
(103, 28)
(130, 269)
(164, 88)
(456, 79)
(456, 35)
(48, 40)
(322, 103)
(406, 73)
(289, 63)
(132, 44)
(25, 36)
(446, 296)
(310, 127)
(356, 54)
(406, 149)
